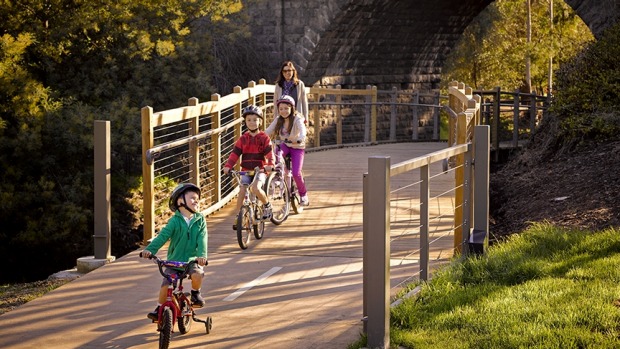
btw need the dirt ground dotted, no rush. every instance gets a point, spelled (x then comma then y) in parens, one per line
(577, 189)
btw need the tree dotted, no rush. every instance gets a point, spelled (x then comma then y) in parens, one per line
(495, 44)
(63, 64)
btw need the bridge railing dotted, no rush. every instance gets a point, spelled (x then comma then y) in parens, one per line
(513, 116)
(470, 151)
(190, 144)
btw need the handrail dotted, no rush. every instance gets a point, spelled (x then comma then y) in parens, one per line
(188, 143)
(470, 152)
(153, 153)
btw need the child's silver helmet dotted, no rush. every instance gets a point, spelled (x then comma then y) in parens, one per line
(286, 99)
(252, 109)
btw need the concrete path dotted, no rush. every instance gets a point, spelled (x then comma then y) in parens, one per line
(298, 287)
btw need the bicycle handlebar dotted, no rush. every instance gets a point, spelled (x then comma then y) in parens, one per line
(173, 264)
(249, 173)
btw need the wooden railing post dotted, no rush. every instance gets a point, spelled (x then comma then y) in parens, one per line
(148, 176)
(415, 122)
(425, 176)
(376, 264)
(515, 119)
(436, 114)
(459, 173)
(496, 121)
(393, 116)
(237, 114)
(368, 100)
(533, 113)
(317, 121)
(194, 150)
(338, 117)
(373, 116)
(216, 153)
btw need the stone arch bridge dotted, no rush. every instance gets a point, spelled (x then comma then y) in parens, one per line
(379, 42)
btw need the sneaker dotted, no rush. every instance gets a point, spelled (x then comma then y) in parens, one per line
(234, 227)
(197, 300)
(267, 211)
(154, 315)
(304, 201)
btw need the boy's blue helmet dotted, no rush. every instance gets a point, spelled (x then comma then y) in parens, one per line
(180, 190)
(252, 109)
(286, 99)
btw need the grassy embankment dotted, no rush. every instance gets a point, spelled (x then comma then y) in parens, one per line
(547, 287)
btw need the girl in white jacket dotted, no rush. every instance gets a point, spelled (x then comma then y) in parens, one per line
(289, 133)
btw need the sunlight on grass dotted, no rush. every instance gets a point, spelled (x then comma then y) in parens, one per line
(545, 288)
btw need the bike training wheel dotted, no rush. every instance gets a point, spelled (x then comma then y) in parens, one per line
(295, 199)
(244, 227)
(259, 223)
(185, 320)
(165, 332)
(278, 195)
(209, 325)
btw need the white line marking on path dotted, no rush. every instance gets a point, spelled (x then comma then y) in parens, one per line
(251, 284)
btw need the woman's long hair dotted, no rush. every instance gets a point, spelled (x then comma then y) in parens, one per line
(281, 79)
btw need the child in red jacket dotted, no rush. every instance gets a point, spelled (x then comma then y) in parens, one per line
(255, 150)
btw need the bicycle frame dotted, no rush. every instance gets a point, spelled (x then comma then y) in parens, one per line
(283, 164)
(250, 213)
(175, 297)
(250, 197)
(175, 294)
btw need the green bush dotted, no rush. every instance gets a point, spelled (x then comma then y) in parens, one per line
(588, 92)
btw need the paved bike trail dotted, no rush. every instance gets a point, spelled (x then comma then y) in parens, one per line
(298, 287)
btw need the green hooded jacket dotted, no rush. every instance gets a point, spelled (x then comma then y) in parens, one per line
(187, 242)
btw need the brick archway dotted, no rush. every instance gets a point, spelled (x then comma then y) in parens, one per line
(379, 42)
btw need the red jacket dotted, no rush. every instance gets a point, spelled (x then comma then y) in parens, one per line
(255, 151)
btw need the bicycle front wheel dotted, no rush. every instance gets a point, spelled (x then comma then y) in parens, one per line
(244, 227)
(279, 197)
(165, 332)
(259, 222)
(185, 320)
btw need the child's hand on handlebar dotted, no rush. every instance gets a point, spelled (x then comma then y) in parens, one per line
(202, 261)
(226, 170)
(268, 168)
(145, 254)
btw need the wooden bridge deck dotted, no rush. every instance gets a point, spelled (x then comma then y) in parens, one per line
(298, 287)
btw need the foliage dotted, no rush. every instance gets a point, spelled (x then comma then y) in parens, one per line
(548, 287)
(588, 92)
(64, 64)
(493, 48)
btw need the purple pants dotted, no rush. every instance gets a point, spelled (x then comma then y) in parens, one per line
(297, 162)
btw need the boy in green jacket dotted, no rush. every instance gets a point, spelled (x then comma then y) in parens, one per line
(187, 232)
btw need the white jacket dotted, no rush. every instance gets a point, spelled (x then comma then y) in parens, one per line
(298, 132)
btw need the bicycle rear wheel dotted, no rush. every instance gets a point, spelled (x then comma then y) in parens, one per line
(278, 195)
(296, 199)
(165, 332)
(244, 227)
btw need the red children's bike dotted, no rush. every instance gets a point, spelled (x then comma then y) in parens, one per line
(178, 307)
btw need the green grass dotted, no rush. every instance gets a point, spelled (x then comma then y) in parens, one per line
(544, 288)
